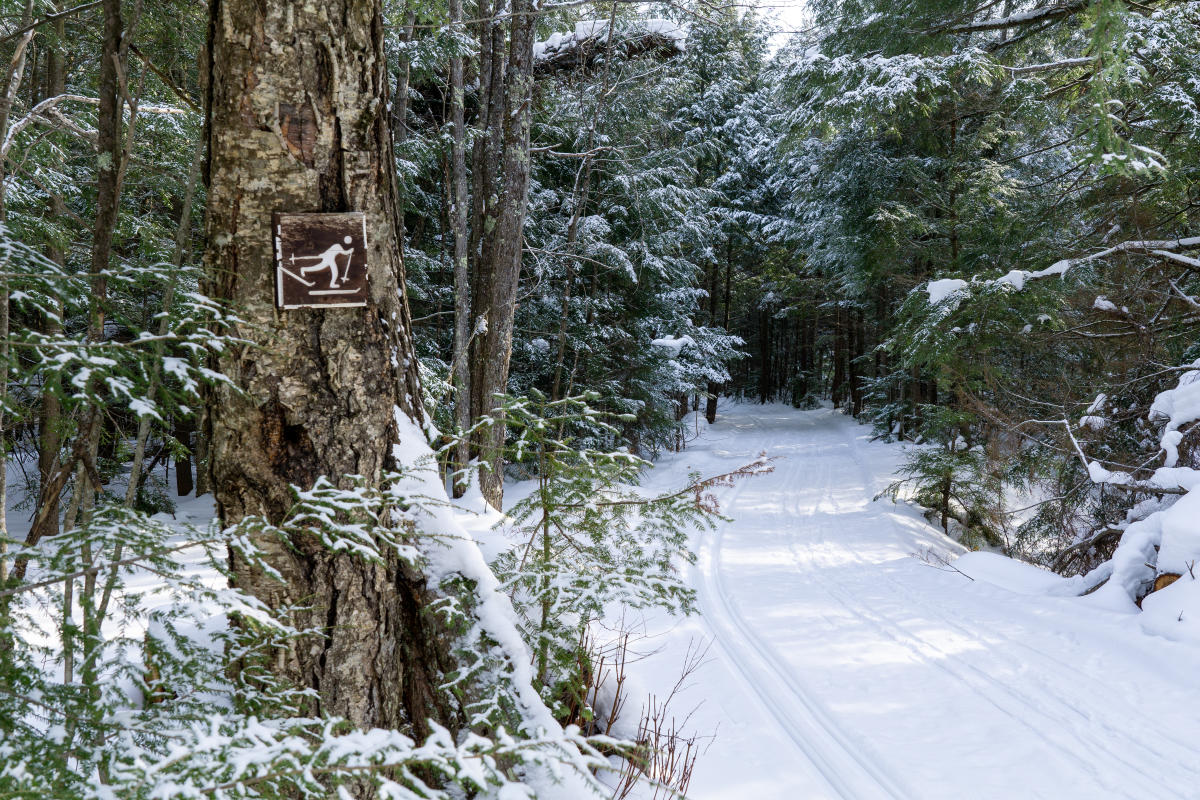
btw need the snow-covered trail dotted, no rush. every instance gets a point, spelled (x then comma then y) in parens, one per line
(844, 667)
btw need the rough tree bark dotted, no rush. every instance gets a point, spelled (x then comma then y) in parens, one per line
(498, 269)
(462, 276)
(297, 122)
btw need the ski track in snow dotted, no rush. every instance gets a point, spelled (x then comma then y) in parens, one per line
(844, 667)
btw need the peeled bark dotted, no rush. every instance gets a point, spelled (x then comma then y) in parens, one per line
(298, 123)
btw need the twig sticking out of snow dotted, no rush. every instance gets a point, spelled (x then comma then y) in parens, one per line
(665, 756)
(939, 561)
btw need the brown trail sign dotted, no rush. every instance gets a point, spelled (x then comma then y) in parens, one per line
(320, 260)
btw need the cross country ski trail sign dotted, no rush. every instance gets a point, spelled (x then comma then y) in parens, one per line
(320, 260)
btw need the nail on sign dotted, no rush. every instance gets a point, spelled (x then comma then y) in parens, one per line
(320, 260)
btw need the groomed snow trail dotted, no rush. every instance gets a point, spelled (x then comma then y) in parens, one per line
(844, 667)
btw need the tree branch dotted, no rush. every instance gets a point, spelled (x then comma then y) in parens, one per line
(1021, 19)
(49, 18)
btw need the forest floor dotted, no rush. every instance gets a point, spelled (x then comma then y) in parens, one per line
(842, 665)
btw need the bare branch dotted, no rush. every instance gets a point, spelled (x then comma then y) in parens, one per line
(49, 18)
(48, 112)
(1187, 298)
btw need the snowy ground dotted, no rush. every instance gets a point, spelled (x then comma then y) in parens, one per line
(843, 667)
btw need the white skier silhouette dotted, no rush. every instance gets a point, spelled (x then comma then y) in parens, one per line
(328, 260)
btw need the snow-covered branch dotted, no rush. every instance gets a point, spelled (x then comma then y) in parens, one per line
(1022, 18)
(944, 288)
(1065, 63)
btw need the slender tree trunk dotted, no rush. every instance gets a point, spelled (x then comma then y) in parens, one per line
(182, 432)
(764, 366)
(403, 74)
(579, 204)
(182, 232)
(12, 83)
(490, 370)
(324, 392)
(108, 194)
(202, 473)
(837, 388)
(710, 406)
(462, 277)
(854, 350)
(488, 151)
(50, 422)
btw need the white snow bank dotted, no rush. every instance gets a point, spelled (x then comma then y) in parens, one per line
(454, 551)
(1022, 578)
(1161, 535)
(1008, 573)
(1167, 538)
(1174, 612)
(1167, 541)
(1177, 407)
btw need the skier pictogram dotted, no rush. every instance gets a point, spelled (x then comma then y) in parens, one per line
(309, 246)
(329, 260)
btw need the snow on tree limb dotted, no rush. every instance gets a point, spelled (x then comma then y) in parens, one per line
(1065, 63)
(1022, 18)
(940, 290)
(581, 47)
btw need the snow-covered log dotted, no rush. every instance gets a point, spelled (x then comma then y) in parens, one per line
(581, 47)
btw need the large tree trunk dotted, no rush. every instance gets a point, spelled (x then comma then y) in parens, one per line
(298, 123)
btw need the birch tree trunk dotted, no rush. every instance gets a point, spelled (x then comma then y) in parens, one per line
(298, 122)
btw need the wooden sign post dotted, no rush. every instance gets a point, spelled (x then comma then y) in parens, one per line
(320, 260)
